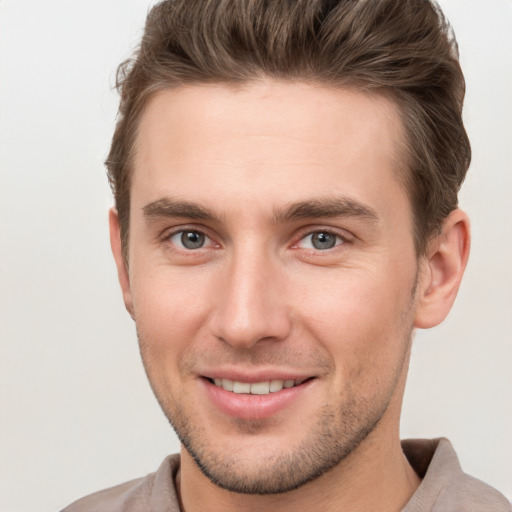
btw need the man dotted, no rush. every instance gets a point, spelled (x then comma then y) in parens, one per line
(285, 176)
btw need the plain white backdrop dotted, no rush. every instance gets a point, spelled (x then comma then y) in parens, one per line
(76, 413)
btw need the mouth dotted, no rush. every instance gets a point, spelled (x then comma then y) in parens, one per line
(256, 399)
(256, 388)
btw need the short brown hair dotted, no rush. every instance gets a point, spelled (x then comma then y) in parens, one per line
(405, 48)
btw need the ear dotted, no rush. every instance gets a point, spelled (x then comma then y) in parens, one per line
(121, 264)
(441, 271)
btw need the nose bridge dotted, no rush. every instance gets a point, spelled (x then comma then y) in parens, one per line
(250, 305)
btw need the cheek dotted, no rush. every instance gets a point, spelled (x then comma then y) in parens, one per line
(362, 319)
(169, 311)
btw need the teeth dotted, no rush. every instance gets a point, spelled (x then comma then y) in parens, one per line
(256, 388)
(276, 385)
(241, 387)
(227, 384)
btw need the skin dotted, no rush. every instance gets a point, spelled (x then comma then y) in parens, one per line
(259, 170)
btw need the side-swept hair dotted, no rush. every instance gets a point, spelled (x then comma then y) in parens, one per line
(402, 48)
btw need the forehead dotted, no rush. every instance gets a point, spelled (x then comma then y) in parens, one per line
(284, 141)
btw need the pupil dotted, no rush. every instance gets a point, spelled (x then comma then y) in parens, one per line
(192, 239)
(323, 241)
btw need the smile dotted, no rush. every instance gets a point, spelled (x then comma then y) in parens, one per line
(256, 388)
(258, 399)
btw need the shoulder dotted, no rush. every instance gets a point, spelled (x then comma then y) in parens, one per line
(468, 494)
(125, 497)
(481, 495)
(445, 486)
(154, 492)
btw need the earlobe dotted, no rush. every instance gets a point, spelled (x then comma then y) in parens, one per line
(442, 271)
(121, 264)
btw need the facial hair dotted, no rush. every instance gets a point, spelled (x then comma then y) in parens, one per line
(336, 433)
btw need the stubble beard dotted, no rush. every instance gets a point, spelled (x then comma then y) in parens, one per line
(335, 435)
(331, 441)
(337, 432)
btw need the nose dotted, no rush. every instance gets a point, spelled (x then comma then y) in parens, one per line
(251, 302)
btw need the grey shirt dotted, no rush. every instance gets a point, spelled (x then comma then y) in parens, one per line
(444, 487)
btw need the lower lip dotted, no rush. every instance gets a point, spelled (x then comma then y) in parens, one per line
(253, 407)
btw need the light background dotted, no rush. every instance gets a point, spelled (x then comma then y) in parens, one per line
(76, 413)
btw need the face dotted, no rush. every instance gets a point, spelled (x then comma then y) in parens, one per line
(271, 275)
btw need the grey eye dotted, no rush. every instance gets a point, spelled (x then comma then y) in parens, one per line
(189, 239)
(323, 240)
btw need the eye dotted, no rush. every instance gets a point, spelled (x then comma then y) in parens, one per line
(320, 241)
(189, 239)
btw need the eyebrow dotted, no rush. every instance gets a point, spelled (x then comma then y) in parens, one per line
(169, 208)
(330, 207)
